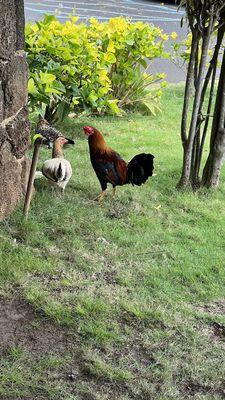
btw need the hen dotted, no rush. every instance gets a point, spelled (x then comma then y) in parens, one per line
(111, 168)
(48, 131)
(58, 170)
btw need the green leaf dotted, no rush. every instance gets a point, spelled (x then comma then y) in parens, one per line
(59, 86)
(52, 90)
(63, 110)
(92, 97)
(110, 58)
(31, 86)
(143, 63)
(48, 19)
(112, 104)
(130, 42)
(46, 78)
(150, 106)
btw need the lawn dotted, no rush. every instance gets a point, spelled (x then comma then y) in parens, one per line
(118, 300)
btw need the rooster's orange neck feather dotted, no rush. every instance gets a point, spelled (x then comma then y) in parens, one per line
(97, 143)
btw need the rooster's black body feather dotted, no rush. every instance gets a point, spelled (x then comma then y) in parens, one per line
(140, 168)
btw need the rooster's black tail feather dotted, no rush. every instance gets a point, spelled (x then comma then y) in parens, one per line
(140, 168)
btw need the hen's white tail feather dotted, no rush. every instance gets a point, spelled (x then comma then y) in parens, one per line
(57, 170)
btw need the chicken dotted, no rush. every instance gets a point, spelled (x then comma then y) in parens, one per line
(111, 168)
(48, 131)
(57, 170)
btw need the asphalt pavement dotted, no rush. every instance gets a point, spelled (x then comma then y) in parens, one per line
(164, 15)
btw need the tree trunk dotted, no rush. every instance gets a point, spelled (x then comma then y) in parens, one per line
(188, 143)
(14, 122)
(210, 73)
(184, 181)
(215, 159)
(205, 18)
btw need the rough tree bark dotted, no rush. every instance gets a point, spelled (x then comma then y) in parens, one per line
(14, 125)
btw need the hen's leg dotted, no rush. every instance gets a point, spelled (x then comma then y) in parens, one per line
(114, 191)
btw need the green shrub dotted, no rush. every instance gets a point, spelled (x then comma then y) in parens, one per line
(181, 50)
(96, 68)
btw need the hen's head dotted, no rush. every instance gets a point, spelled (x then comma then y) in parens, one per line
(89, 130)
(61, 141)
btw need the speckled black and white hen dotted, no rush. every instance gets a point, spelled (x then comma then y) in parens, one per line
(48, 131)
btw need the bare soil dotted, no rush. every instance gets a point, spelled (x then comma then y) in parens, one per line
(21, 326)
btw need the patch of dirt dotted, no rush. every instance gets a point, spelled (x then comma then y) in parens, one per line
(192, 388)
(218, 308)
(219, 330)
(108, 276)
(214, 330)
(119, 211)
(21, 326)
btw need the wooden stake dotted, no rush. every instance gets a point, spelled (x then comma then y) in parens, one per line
(37, 146)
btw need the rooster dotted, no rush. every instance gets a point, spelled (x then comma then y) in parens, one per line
(57, 170)
(111, 168)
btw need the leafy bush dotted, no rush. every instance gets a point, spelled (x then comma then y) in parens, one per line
(181, 51)
(95, 68)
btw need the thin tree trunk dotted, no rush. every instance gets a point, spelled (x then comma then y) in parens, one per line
(211, 71)
(215, 159)
(184, 181)
(188, 88)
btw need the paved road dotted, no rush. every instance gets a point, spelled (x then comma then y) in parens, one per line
(164, 15)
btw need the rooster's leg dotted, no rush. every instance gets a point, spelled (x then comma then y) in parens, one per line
(114, 191)
(100, 197)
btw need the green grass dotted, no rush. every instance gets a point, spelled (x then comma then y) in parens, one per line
(138, 281)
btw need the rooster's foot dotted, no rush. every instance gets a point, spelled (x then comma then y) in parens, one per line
(100, 197)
